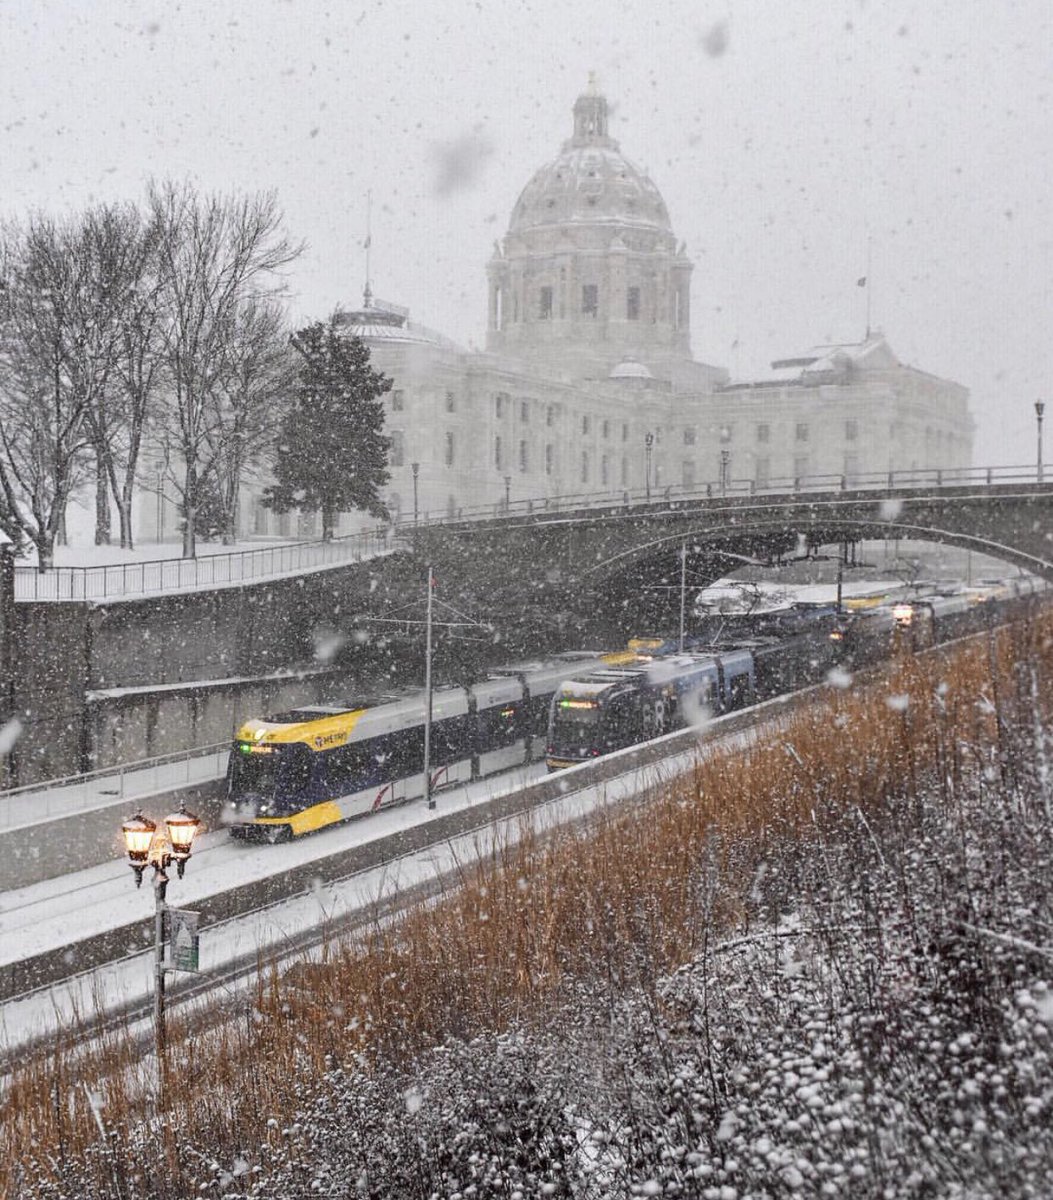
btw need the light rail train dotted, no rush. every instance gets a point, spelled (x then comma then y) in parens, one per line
(316, 765)
(300, 770)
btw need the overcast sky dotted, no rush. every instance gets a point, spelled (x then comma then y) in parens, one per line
(782, 134)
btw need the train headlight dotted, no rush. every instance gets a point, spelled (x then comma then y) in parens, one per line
(902, 614)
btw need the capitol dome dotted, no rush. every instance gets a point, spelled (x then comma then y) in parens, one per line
(590, 272)
(591, 180)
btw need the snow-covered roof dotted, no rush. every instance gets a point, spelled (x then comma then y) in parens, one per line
(826, 364)
(377, 322)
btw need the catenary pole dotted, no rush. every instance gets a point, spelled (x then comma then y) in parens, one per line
(683, 588)
(427, 690)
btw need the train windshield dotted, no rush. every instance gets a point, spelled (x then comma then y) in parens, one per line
(575, 721)
(265, 770)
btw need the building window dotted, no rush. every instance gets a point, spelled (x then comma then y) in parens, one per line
(802, 432)
(851, 430)
(801, 466)
(851, 468)
(586, 424)
(689, 437)
(451, 402)
(398, 400)
(548, 458)
(632, 304)
(725, 433)
(603, 471)
(584, 466)
(498, 456)
(625, 432)
(523, 458)
(550, 414)
(625, 471)
(260, 515)
(590, 299)
(763, 433)
(687, 474)
(398, 448)
(524, 411)
(449, 448)
(544, 308)
(762, 472)
(499, 404)
(606, 429)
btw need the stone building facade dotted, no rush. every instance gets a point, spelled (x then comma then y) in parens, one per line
(588, 383)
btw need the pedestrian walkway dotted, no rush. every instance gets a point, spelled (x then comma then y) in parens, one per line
(55, 798)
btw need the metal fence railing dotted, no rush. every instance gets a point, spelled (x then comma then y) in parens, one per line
(731, 488)
(117, 580)
(35, 802)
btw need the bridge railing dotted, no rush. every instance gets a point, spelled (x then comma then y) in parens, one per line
(657, 494)
(210, 570)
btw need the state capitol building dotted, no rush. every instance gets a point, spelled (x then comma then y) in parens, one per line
(588, 383)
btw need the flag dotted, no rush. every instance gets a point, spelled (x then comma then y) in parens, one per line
(861, 281)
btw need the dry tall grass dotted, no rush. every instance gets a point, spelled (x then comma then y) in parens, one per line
(627, 897)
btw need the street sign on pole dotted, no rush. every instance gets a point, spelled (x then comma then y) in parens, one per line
(183, 939)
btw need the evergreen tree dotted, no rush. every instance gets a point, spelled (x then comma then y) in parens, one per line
(331, 452)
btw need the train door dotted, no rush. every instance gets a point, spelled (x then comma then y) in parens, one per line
(502, 725)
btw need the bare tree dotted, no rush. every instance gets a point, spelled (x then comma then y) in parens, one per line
(50, 369)
(216, 254)
(257, 373)
(122, 313)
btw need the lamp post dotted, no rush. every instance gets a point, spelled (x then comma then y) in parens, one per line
(147, 847)
(725, 459)
(1040, 408)
(415, 468)
(648, 445)
(160, 501)
(508, 493)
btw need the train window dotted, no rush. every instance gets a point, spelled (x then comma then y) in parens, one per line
(451, 739)
(622, 724)
(498, 726)
(740, 691)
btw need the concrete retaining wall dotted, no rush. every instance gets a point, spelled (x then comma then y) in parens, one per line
(45, 851)
(64, 653)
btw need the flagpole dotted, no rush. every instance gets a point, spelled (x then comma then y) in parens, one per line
(868, 287)
(368, 295)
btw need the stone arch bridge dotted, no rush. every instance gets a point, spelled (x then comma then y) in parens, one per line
(599, 559)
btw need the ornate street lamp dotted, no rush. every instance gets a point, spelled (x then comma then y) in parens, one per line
(415, 468)
(725, 459)
(508, 493)
(1040, 408)
(648, 446)
(145, 848)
